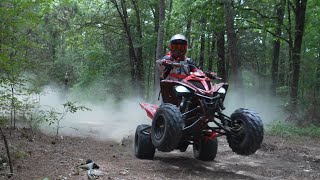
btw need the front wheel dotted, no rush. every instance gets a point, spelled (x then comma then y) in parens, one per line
(166, 129)
(247, 132)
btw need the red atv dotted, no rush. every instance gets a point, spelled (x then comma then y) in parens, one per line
(182, 119)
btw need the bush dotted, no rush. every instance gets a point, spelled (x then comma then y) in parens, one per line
(286, 129)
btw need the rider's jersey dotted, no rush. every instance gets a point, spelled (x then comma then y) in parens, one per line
(188, 66)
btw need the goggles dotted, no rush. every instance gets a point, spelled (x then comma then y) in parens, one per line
(179, 47)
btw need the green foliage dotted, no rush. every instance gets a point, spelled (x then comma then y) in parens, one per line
(54, 117)
(32, 113)
(10, 104)
(41, 41)
(73, 108)
(285, 129)
(282, 90)
(18, 18)
(3, 120)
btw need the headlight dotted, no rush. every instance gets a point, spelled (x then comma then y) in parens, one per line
(222, 90)
(182, 89)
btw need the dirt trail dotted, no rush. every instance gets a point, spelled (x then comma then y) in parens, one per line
(36, 157)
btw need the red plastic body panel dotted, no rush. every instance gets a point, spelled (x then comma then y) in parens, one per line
(149, 108)
(216, 87)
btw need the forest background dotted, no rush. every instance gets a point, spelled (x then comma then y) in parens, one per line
(267, 50)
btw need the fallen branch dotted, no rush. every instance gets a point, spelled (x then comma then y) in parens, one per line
(8, 153)
(6, 174)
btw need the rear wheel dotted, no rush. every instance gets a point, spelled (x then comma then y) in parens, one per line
(205, 149)
(166, 129)
(247, 130)
(143, 147)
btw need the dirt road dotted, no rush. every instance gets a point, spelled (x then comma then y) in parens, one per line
(36, 157)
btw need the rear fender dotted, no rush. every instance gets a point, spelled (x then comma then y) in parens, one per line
(149, 108)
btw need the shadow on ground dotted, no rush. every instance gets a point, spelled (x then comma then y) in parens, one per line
(179, 167)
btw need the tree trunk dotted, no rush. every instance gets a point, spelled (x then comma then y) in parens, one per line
(211, 51)
(282, 72)
(296, 51)
(159, 52)
(134, 61)
(168, 25)
(155, 12)
(289, 73)
(151, 72)
(262, 64)
(202, 45)
(13, 108)
(140, 69)
(53, 44)
(276, 48)
(221, 64)
(232, 46)
(283, 68)
(188, 33)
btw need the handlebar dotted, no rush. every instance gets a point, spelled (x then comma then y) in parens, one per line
(177, 64)
(169, 63)
(210, 75)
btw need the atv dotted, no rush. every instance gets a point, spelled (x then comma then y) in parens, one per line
(191, 114)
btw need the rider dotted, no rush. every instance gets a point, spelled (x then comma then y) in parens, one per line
(177, 54)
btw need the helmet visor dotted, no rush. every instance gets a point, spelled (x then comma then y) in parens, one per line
(179, 48)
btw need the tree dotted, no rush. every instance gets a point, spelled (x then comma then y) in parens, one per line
(236, 77)
(276, 46)
(159, 51)
(222, 66)
(211, 49)
(202, 43)
(138, 47)
(95, 41)
(15, 30)
(136, 64)
(300, 11)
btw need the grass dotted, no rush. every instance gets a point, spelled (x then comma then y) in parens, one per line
(288, 130)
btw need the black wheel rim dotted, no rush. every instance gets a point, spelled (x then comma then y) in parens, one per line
(159, 128)
(238, 127)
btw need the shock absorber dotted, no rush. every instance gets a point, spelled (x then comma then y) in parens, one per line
(184, 104)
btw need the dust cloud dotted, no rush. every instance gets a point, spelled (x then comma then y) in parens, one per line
(109, 120)
(113, 120)
(268, 107)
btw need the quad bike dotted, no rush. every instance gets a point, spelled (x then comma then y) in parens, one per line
(184, 115)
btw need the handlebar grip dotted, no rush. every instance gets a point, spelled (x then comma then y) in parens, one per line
(177, 64)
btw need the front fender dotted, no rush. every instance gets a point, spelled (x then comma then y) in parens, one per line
(216, 87)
